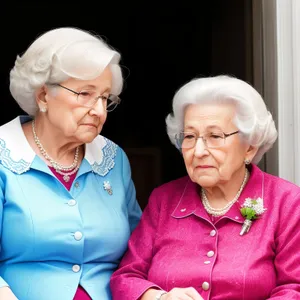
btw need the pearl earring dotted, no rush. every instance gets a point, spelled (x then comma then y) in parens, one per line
(247, 161)
(43, 109)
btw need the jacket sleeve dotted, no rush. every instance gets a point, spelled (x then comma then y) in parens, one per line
(133, 207)
(2, 281)
(129, 282)
(287, 259)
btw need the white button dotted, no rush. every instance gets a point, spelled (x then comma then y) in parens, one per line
(205, 285)
(213, 233)
(207, 262)
(72, 202)
(76, 184)
(76, 268)
(236, 217)
(78, 235)
(183, 210)
(210, 253)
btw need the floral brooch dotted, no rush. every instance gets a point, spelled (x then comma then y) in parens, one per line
(251, 210)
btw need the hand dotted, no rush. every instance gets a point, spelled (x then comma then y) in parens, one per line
(7, 294)
(182, 294)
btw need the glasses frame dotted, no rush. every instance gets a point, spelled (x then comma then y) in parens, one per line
(96, 99)
(179, 144)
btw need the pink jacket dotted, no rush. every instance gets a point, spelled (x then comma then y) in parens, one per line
(177, 244)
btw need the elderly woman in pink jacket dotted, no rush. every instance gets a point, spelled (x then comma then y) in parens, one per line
(228, 230)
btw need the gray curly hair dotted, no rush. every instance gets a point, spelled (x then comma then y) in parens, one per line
(252, 118)
(58, 55)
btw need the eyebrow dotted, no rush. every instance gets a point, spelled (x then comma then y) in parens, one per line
(106, 89)
(212, 127)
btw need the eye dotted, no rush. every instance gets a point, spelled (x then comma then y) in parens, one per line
(188, 136)
(87, 94)
(104, 97)
(215, 135)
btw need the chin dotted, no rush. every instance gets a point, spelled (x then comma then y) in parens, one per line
(88, 138)
(205, 181)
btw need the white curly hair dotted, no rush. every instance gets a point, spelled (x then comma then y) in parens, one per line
(252, 119)
(60, 54)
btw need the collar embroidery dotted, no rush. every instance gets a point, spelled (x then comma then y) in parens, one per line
(6, 160)
(109, 152)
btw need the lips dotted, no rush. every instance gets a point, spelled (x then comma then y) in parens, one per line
(90, 124)
(204, 167)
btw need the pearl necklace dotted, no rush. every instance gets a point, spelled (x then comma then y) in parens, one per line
(222, 211)
(60, 169)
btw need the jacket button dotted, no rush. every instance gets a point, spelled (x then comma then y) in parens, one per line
(72, 202)
(205, 286)
(210, 253)
(212, 233)
(78, 235)
(76, 268)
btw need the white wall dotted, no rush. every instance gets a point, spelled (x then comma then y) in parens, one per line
(276, 36)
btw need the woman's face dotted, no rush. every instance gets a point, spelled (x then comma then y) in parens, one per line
(211, 167)
(76, 122)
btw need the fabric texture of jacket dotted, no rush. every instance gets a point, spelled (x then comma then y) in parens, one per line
(177, 244)
(53, 239)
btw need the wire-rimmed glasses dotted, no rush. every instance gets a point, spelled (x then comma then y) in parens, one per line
(215, 139)
(88, 97)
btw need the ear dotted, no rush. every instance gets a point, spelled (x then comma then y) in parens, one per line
(250, 153)
(40, 96)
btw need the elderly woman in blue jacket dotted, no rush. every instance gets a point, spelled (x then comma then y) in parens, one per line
(67, 200)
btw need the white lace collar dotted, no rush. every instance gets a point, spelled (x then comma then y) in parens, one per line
(17, 155)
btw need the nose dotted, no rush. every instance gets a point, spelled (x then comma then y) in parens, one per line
(98, 109)
(200, 148)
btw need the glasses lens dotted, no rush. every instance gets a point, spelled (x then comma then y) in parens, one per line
(186, 140)
(87, 98)
(112, 102)
(214, 139)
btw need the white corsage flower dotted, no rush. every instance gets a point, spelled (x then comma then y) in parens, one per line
(251, 210)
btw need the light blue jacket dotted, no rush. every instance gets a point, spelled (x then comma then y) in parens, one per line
(53, 239)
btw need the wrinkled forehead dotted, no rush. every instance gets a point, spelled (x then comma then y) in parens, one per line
(101, 83)
(210, 115)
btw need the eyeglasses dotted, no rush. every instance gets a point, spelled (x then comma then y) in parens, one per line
(188, 140)
(88, 98)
